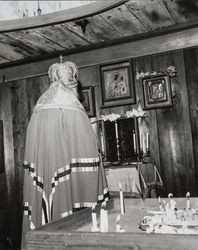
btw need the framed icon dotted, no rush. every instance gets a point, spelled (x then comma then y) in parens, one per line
(117, 85)
(87, 99)
(157, 92)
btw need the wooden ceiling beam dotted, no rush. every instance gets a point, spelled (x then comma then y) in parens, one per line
(62, 17)
(159, 44)
(95, 44)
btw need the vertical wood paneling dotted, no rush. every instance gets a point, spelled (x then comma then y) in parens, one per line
(21, 114)
(8, 207)
(36, 86)
(169, 128)
(2, 161)
(25, 95)
(150, 121)
(191, 66)
(186, 134)
(173, 127)
(90, 77)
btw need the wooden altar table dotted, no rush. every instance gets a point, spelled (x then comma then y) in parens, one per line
(137, 180)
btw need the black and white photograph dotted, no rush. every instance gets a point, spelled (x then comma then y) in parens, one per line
(98, 124)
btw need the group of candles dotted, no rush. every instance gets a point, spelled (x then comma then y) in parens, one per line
(104, 224)
(168, 207)
(142, 146)
(171, 205)
(144, 142)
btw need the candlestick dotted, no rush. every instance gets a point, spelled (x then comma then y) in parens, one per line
(134, 142)
(188, 200)
(116, 129)
(147, 141)
(144, 146)
(121, 199)
(117, 140)
(141, 142)
(172, 202)
(160, 204)
(102, 142)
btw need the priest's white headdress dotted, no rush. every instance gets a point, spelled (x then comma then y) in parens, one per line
(70, 70)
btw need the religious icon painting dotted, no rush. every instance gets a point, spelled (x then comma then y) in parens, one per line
(117, 84)
(157, 92)
(87, 100)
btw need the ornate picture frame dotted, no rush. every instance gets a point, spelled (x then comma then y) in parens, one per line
(117, 86)
(157, 91)
(87, 99)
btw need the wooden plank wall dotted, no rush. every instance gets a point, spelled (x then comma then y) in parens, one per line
(172, 127)
(23, 96)
(17, 100)
(20, 120)
(169, 128)
(7, 179)
(191, 68)
(173, 130)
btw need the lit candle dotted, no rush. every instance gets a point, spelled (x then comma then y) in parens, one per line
(102, 142)
(134, 142)
(119, 229)
(103, 146)
(172, 202)
(116, 129)
(147, 141)
(188, 200)
(160, 204)
(121, 199)
(141, 142)
(144, 145)
(94, 220)
(104, 224)
(117, 140)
